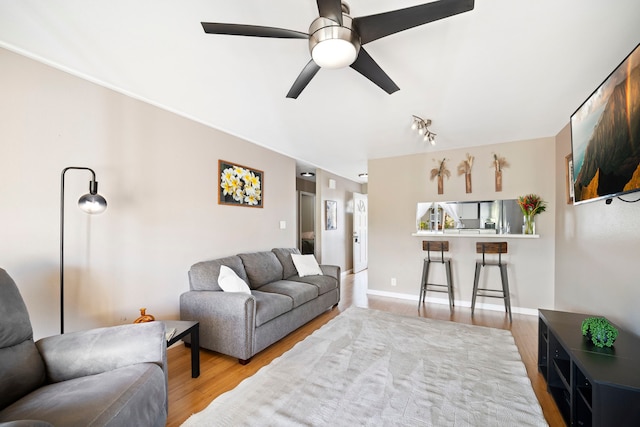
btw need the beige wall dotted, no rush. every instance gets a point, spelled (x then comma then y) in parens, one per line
(598, 249)
(159, 173)
(397, 184)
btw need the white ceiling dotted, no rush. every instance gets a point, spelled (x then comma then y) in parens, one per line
(508, 70)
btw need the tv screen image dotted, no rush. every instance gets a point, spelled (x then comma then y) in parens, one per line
(605, 136)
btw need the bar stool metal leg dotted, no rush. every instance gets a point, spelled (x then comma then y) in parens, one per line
(423, 284)
(505, 290)
(476, 279)
(450, 286)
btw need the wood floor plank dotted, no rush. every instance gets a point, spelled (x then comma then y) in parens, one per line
(220, 373)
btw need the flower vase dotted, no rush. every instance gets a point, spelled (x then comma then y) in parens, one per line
(529, 226)
(440, 185)
(467, 182)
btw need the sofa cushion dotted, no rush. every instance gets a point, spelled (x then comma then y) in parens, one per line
(323, 283)
(284, 256)
(270, 305)
(21, 371)
(299, 292)
(261, 268)
(133, 395)
(230, 282)
(203, 276)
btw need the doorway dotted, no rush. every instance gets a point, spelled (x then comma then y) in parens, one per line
(307, 222)
(360, 232)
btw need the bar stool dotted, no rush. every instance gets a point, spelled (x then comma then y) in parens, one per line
(442, 247)
(492, 248)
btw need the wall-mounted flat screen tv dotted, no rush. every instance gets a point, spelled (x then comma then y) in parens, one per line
(605, 136)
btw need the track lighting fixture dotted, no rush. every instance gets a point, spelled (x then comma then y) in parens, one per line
(422, 126)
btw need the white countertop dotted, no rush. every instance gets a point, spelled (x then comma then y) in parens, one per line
(473, 233)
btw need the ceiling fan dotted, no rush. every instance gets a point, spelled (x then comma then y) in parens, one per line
(336, 39)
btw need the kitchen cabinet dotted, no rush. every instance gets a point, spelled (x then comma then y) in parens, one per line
(469, 210)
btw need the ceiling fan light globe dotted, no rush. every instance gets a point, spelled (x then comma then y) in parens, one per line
(334, 53)
(333, 45)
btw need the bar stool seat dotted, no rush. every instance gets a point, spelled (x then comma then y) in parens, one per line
(498, 248)
(442, 247)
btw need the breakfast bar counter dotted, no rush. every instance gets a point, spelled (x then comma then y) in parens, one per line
(475, 233)
(466, 225)
(526, 257)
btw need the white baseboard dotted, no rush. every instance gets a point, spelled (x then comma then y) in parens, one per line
(459, 303)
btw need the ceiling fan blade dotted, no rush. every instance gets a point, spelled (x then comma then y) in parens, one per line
(366, 66)
(374, 27)
(252, 30)
(331, 9)
(303, 79)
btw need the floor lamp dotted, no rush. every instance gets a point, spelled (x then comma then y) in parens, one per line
(91, 203)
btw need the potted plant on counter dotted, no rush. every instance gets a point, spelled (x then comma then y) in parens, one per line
(531, 205)
(599, 331)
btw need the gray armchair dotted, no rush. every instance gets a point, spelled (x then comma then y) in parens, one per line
(101, 377)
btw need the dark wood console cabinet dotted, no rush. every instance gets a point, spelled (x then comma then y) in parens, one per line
(590, 385)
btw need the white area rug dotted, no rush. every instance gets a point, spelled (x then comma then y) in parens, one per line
(371, 368)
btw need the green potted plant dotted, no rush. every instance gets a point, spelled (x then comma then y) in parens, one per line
(599, 331)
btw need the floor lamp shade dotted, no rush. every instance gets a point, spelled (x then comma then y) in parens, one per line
(91, 203)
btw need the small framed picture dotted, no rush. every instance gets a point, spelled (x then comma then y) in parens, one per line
(240, 185)
(331, 213)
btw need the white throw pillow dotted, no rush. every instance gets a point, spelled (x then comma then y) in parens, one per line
(306, 265)
(229, 281)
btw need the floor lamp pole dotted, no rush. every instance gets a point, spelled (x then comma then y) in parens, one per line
(91, 203)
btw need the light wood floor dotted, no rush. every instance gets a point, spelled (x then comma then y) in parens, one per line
(219, 373)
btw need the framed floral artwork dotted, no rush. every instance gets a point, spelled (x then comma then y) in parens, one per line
(240, 185)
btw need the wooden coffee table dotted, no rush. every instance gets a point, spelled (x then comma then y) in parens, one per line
(184, 328)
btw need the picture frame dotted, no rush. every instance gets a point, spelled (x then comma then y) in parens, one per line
(331, 215)
(569, 178)
(240, 185)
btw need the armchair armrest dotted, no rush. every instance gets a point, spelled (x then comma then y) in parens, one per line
(91, 352)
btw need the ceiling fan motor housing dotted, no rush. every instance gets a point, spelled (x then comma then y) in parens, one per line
(333, 45)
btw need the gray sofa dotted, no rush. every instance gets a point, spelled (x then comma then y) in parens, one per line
(241, 325)
(101, 377)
